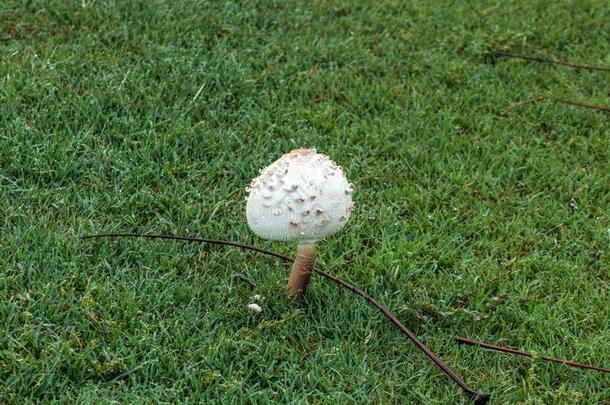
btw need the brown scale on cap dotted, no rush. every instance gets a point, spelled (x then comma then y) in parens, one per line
(293, 223)
(319, 211)
(305, 213)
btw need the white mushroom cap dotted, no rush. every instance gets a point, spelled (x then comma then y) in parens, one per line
(303, 196)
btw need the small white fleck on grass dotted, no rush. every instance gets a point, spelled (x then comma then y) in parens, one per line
(255, 307)
(257, 297)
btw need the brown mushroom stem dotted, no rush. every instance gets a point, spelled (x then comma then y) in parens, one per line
(301, 270)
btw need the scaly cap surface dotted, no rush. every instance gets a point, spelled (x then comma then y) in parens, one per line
(303, 196)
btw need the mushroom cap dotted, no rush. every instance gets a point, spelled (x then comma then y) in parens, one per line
(303, 196)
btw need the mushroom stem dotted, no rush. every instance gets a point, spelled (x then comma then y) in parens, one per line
(301, 270)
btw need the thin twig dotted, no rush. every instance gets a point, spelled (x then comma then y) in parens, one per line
(503, 349)
(476, 397)
(551, 62)
(582, 105)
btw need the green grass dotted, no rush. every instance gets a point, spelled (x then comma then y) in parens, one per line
(153, 116)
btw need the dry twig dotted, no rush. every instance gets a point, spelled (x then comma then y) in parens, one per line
(503, 349)
(582, 105)
(475, 396)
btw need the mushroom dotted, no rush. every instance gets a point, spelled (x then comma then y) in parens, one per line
(304, 197)
(255, 307)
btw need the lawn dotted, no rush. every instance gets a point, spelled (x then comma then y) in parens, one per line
(470, 220)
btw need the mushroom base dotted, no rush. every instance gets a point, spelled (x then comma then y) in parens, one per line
(301, 270)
